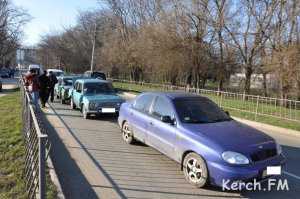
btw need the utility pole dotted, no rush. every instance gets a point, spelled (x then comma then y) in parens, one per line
(94, 45)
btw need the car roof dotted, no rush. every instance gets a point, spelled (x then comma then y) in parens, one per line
(92, 80)
(54, 70)
(175, 94)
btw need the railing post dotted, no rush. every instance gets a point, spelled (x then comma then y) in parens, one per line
(42, 166)
(256, 109)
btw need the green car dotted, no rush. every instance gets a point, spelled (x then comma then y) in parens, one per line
(62, 88)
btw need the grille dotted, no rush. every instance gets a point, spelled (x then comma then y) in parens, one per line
(108, 104)
(263, 154)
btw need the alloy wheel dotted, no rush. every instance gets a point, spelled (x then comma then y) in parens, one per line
(126, 133)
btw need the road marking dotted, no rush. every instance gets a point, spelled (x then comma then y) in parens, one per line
(291, 175)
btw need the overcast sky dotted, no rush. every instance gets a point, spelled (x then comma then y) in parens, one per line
(51, 15)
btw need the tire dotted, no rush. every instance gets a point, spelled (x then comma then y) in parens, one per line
(127, 133)
(73, 106)
(84, 112)
(195, 170)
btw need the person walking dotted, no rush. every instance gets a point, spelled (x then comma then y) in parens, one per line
(44, 88)
(53, 81)
(33, 86)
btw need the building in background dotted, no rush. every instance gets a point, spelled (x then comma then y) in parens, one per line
(26, 56)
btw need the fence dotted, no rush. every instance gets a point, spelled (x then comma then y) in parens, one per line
(36, 148)
(251, 104)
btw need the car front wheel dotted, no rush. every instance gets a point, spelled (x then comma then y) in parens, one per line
(85, 113)
(127, 133)
(73, 106)
(195, 170)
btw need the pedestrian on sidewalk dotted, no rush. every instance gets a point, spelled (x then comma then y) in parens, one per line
(33, 86)
(44, 88)
(53, 81)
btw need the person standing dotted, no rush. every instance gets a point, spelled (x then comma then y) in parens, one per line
(44, 88)
(33, 86)
(53, 81)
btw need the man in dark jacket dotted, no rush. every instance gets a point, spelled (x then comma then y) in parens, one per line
(53, 81)
(44, 88)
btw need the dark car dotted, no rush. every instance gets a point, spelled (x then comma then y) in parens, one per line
(95, 74)
(4, 73)
(0, 85)
(192, 130)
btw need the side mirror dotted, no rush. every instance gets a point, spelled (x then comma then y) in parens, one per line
(167, 119)
(227, 113)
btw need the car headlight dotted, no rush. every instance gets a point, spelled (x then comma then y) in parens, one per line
(92, 105)
(278, 149)
(234, 158)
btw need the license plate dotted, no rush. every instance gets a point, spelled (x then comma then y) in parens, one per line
(108, 110)
(264, 173)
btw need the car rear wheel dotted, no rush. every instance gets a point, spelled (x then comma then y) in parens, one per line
(62, 101)
(195, 170)
(73, 106)
(127, 133)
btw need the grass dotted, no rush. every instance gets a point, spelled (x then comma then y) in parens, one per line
(12, 185)
(230, 104)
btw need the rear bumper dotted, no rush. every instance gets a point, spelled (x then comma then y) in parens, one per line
(220, 173)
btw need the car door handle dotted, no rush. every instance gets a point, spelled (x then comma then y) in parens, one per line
(151, 123)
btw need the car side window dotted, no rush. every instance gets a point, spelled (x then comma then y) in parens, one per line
(143, 103)
(79, 87)
(59, 81)
(75, 86)
(162, 107)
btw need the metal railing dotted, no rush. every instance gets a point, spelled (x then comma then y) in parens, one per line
(37, 147)
(252, 104)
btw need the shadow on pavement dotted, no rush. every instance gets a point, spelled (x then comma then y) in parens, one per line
(114, 185)
(73, 182)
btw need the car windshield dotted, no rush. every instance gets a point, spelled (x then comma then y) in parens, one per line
(68, 82)
(199, 110)
(57, 74)
(98, 88)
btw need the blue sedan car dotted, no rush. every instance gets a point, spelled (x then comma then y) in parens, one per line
(205, 140)
(95, 97)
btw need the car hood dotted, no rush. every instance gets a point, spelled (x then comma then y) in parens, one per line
(115, 98)
(232, 135)
(67, 87)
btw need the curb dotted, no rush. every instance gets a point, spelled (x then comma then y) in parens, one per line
(266, 127)
(53, 175)
(54, 179)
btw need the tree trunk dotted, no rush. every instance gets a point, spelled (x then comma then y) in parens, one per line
(265, 84)
(248, 75)
(298, 93)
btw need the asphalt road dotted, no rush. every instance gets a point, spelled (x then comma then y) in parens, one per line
(7, 85)
(139, 171)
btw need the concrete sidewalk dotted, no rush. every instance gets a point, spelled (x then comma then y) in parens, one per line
(77, 172)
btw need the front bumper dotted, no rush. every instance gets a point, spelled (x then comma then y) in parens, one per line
(224, 172)
(99, 111)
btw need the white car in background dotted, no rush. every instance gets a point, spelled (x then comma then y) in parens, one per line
(38, 68)
(56, 72)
